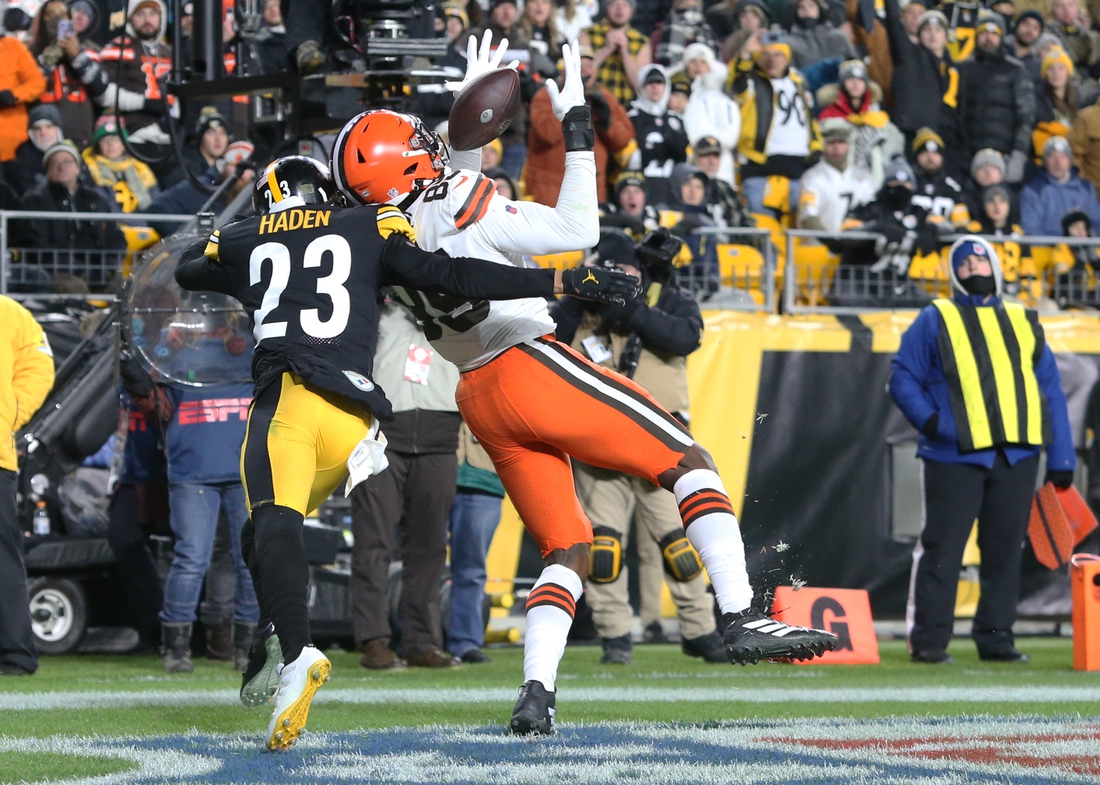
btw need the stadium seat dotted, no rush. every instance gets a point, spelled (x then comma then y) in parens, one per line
(560, 261)
(741, 267)
(815, 265)
(930, 271)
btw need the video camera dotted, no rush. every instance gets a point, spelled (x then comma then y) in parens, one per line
(657, 254)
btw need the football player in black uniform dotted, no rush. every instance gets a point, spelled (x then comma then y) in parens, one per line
(309, 274)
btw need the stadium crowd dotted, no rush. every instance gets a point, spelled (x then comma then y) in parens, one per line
(909, 120)
(912, 121)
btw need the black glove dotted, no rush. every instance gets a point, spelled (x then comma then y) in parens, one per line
(931, 427)
(7, 98)
(601, 111)
(1060, 479)
(153, 107)
(893, 232)
(596, 283)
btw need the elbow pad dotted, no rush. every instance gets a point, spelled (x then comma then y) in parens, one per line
(577, 130)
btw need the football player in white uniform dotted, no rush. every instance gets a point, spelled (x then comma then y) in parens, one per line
(533, 402)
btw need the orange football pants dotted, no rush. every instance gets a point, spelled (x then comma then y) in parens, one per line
(539, 403)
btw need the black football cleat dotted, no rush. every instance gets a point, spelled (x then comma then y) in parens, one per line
(750, 636)
(260, 680)
(534, 711)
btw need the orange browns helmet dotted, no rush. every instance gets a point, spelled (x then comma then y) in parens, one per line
(382, 155)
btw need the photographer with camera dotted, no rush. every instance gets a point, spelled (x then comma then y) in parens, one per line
(647, 339)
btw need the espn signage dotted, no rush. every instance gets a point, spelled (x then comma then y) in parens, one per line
(213, 410)
(846, 613)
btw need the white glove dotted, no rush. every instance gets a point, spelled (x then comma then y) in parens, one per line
(572, 94)
(481, 62)
(368, 458)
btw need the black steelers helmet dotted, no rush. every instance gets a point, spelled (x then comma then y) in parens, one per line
(295, 178)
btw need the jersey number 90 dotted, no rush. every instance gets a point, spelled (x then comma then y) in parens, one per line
(331, 286)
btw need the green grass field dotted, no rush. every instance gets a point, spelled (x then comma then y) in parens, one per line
(895, 687)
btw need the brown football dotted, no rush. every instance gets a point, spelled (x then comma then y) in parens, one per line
(484, 110)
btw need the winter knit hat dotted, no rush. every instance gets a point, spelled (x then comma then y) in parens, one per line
(628, 178)
(969, 246)
(1056, 144)
(759, 7)
(615, 248)
(1031, 13)
(47, 112)
(852, 69)
(60, 147)
(836, 129)
(1056, 55)
(107, 125)
(927, 139)
(987, 157)
(993, 191)
(990, 21)
(898, 171)
(1072, 216)
(932, 18)
(209, 118)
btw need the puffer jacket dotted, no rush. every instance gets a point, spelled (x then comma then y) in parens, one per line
(923, 87)
(996, 104)
(26, 374)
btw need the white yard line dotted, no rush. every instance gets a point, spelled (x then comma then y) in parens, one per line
(760, 694)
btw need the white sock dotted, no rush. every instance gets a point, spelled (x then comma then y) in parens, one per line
(711, 528)
(550, 609)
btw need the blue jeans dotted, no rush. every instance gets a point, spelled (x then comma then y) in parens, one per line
(474, 520)
(753, 188)
(194, 520)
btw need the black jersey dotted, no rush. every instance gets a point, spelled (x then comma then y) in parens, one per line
(309, 279)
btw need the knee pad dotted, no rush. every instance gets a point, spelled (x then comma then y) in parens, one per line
(681, 561)
(607, 555)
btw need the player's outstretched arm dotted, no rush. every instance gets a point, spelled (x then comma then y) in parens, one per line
(404, 264)
(196, 271)
(574, 223)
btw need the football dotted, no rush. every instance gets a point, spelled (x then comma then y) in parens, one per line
(484, 110)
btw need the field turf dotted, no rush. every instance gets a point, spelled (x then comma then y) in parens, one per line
(117, 696)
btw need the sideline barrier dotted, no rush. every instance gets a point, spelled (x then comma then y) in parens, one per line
(26, 271)
(814, 280)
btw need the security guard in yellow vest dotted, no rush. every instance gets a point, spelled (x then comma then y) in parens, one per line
(975, 376)
(648, 339)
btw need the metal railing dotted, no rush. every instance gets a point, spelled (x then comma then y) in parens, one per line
(34, 270)
(834, 287)
(742, 287)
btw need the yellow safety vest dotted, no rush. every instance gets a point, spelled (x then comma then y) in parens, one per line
(989, 355)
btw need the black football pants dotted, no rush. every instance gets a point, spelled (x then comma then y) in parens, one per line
(954, 495)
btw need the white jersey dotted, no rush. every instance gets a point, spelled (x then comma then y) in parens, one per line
(463, 215)
(829, 194)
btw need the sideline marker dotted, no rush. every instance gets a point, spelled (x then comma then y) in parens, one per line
(844, 612)
(1084, 573)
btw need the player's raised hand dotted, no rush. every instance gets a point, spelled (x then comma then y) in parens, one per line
(600, 284)
(481, 60)
(572, 92)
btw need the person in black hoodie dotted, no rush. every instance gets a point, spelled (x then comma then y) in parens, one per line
(662, 140)
(996, 101)
(923, 78)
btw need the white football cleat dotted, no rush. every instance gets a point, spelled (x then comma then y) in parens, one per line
(298, 682)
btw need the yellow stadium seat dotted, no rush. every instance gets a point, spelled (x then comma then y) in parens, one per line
(741, 267)
(815, 265)
(560, 261)
(931, 271)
